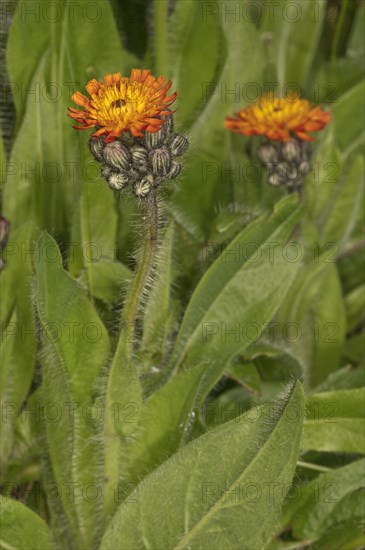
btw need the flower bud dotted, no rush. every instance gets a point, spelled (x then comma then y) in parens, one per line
(267, 153)
(139, 158)
(282, 169)
(154, 139)
(117, 155)
(306, 150)
(291, 150)
(96, 147)
(160, 161)
(174, 170)
(143, 187)
(168, 124)
(178, 145)
(275, 179)
(118, 180)
(304, 168)
(292, 171)
(105, 171)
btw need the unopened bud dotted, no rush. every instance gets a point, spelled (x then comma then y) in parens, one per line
(143, 187)
(96, 147)
(292, 171)
(105, 171)
(168, 123)
(117, 155)
(304, 168)
(160, 161)
(139, 158)
(178, 145)
(267, 153)
(154, 139)
(275, 179)
(282, 169)
(291, 150)
(174, 170)
(306, 150)
(118, 180)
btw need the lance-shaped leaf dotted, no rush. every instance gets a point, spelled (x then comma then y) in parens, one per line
(109, 279)
(166, 420)
(240, 292)
(335, 422)
(122, 405)
(314, 306)
(295, 31)
(344, 205)
(347, 108)
(222, 87)
(18, 341)
(75, 349)
(311, 514)
(217, 490)
(21, 528)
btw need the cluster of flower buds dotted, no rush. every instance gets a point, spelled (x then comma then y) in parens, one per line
(287, 162)
(141, 162)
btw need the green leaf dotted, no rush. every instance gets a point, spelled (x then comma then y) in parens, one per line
(215, 491)
(347, 525)
(75, 349)
(327, 167)
(311, 514)
(335, 422)
(354, 349)
(243, 288)
(355, 46)
(165, 423)
(348, 108)
(207, 176)
(355, 307)
(344, 205)
(18, 341)
(122, 405)
(21, 528)
(346, 378)
(245, 374)
(351, 266)
(109, 278)
(314, 307)
(273, 354)
(50, 163)
(228, 405)
(195, 56)
(295, 30)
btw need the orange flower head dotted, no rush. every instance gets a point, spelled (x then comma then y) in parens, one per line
(123, 104)
(279, 118)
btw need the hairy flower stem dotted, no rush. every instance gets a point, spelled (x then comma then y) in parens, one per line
(145, 262)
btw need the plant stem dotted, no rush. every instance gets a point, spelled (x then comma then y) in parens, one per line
(145, 261)
(160, 35)
(311, 466)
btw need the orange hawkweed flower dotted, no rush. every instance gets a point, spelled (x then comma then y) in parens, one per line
(279, 119)
(123, 104)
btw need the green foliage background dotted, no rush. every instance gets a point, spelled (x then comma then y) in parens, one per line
(191, 422)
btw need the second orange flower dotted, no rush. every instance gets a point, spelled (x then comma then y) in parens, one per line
(279, 119)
